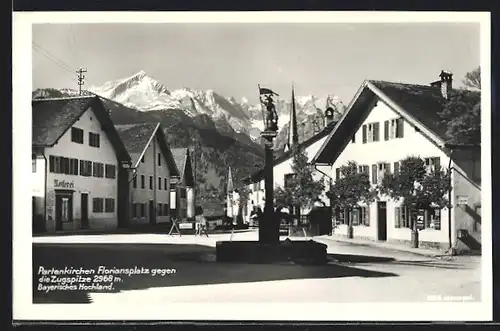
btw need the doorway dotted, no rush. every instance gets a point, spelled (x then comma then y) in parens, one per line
(152, 214)
(85, 210)
(382, 220)
(64, 209)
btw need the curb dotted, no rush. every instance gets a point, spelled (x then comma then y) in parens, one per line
(437, 254)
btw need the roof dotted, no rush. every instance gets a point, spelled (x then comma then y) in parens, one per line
(51, 118)
(180, 157)
(420, 105)
(259, 174)
(137, 137)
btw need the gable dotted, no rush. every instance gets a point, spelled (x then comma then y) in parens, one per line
(52, 118)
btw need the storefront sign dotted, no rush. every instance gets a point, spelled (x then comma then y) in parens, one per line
(63, 184)
(185, 225)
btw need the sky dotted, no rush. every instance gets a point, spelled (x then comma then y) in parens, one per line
(232, 59)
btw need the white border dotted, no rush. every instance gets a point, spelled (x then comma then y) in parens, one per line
(23, 309)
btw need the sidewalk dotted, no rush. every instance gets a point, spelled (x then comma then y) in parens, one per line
(397, 247)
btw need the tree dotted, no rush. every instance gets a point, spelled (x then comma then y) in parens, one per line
(417, 189)
(473, 79)
(349, 190)
(301, 190)
(461, 116)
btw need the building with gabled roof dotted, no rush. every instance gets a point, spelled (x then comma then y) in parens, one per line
(387, 122)
(182, 188)
(79, 166)
(153, 166)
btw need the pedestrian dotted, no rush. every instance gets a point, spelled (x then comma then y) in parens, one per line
(201, 222)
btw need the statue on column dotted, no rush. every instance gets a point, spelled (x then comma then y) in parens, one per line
(272, 115)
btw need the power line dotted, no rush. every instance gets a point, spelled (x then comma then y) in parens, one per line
(52, 57)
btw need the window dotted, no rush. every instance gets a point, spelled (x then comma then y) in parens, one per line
(110, 171)
(182, 192)
(63, 165)
(143, 209)
(134, 210)
(97, 205)
(159, 183)
(159, 159)
(396, 167)
(33, 162)
(77, 135)
(109, 206)
(394, 129)
(165, 184)
(98, 169)
(337, 173)
(340, 216)
(150, 182)
(173, 186)
(143, 182)
(361, 216)
(374, 174)
(166, 210)
(94, 139)
(73, 166)
(288, 180)
(433, 164)
(371, 132)
(85, 168)
(432, 219)
(402, 219)
(364, 169)
(383, 169)
(353, 139)
(134, 181)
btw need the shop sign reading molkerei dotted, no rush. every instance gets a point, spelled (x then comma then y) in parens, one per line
(63, 184)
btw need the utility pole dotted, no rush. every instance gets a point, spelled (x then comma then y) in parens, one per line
(80, 78)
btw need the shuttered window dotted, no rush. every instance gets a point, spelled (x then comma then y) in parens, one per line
(386, 130)
(374, 174)
(396, 167)
(399, 128)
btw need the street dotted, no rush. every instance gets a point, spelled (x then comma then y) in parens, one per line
(186, 271)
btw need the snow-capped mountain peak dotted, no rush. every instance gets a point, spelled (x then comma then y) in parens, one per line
(142, 92)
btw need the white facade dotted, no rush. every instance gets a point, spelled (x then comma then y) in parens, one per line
(413, 143)
(150, 187)
(59, 196)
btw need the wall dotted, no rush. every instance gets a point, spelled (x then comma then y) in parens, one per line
(94, 186)
(150, 168)
(466, 181)
(38, 185)
(413, 143)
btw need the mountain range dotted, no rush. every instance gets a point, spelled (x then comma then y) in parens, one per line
(221, 131)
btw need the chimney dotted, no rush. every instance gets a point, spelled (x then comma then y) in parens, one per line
(445, 83)
(328, 116)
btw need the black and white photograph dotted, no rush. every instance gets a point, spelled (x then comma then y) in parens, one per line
(252, 166)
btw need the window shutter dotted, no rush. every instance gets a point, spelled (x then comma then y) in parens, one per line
(397, 217)
(364, 134)
(366, 211)
(437, 163)
(374, 174)
(337, 173)
(376, 131)
(399, 128)
(386, 130)
(396, 167)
